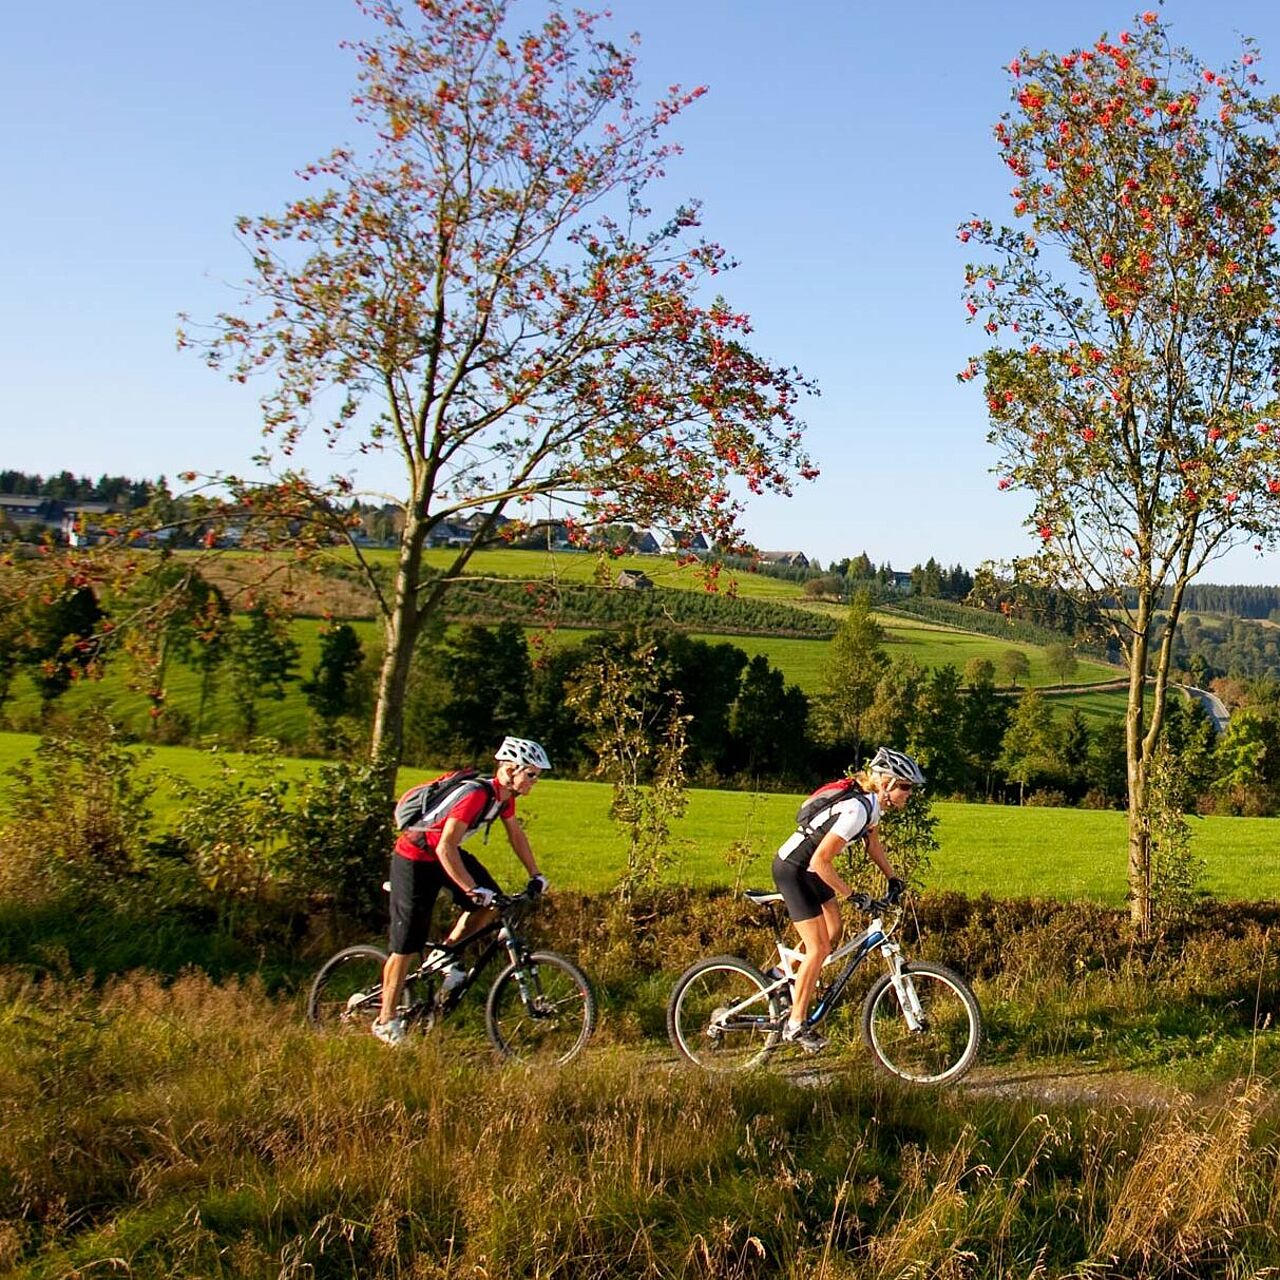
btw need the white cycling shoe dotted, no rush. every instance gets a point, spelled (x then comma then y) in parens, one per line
(805, 1037)
(392, 1033)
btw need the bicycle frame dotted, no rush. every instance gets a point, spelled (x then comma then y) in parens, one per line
(876, 936)
(504, 936)
(858, 949)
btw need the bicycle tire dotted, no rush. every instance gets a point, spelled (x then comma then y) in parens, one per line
(561, 1020)
(940, 1051)
(346, 994)
(701, 996)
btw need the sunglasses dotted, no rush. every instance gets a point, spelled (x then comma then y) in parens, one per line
(899, 785)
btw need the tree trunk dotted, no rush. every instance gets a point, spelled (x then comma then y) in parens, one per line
(1136, 768)
(401, 628)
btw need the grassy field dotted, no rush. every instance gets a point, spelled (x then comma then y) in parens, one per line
(184, 1130)
(584, 567)
(997, 849)
(286, 719)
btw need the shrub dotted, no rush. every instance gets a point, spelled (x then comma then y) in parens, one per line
(80, 813)
(1046, 798)
(236, 828)
(340, 838)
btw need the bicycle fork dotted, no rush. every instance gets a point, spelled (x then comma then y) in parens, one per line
(525, 973)
(904, 988)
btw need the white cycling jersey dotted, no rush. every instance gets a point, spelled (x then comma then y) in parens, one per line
(849, 819)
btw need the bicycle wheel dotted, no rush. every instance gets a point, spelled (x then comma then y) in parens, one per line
(347, 992)
(944, 1042)
(721, 1015)
(543, 1011)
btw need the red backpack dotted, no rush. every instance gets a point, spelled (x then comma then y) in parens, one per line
(817, 811)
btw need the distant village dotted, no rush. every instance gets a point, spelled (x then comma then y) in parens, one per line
(85, 521)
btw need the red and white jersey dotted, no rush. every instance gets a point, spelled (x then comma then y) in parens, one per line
(474, 808)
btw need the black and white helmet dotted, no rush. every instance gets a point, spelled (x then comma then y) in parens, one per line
(523, 751)
(897, 764)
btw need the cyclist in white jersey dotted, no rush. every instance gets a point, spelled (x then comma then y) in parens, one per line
(805, 873)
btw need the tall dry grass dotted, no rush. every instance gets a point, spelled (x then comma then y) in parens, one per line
(192, 1129)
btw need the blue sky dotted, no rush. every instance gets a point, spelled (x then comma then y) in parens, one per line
(839, 145)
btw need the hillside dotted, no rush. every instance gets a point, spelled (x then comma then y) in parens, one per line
(560, 599)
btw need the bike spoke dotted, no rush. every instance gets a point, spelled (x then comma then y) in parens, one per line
(541, 1013)
(721, 1017)
(347, 995)
(937, 1045)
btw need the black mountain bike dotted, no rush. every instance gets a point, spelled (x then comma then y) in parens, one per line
(920, 1020)
(540, 1008)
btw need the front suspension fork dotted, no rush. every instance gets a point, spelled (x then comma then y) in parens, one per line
(904, 988)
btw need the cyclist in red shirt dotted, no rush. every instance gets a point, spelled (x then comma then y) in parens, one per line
(426, 861)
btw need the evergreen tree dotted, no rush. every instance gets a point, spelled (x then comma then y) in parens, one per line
(330, 688)
(939, 737)
(768, 724)
(984, 719)
(1029, 752)
(855, 662)
(263, 658)
(489, 674)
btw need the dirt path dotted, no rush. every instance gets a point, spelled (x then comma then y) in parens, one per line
(1088, 1084)
(1051, 1083)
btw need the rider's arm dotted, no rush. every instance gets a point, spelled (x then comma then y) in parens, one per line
(823, 862)
(455, 831)
(520, 843)
(875, 850)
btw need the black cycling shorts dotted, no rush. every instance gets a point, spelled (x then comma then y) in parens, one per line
(415, 886)
(803, 891)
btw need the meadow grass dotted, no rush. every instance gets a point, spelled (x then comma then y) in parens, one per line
(192, 1129)
(998, 849)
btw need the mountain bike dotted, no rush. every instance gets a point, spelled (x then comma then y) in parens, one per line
(920, 1020)
(540, 1008)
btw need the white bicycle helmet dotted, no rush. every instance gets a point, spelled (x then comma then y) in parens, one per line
(897, 764)
(523, 751)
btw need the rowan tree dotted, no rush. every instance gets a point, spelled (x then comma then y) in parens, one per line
(1133, 311)
(54, 640)
(484, 293)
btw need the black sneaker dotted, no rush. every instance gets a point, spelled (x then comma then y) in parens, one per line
(807, 1039)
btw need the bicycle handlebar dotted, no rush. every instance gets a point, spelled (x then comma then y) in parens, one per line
(872, 906)
(505, 901)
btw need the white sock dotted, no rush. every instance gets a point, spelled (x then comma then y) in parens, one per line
(793, 1027)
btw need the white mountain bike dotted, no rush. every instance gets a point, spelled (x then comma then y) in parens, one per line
(920, 1020)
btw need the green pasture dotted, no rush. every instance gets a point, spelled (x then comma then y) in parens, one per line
(1073, 854)
(934, 646)
(582, 566)
(287, 720)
